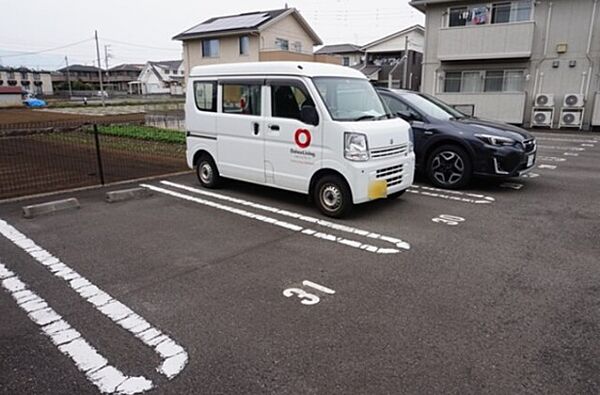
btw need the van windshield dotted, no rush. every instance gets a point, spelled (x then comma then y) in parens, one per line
(351, 99)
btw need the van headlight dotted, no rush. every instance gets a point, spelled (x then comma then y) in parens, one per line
(356, 147)
(495, 140)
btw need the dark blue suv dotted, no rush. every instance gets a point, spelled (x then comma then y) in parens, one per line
(452, 147)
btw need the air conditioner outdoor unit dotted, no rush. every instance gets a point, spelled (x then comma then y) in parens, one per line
(544, 100)
(542, 117)
(573, 100)
(571, 118)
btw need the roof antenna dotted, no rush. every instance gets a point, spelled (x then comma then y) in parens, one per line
(286, 6)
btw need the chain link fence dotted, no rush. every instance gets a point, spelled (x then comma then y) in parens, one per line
(44, 157)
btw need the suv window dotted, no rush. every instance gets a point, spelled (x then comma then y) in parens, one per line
(287, 100)
(241, 99)
(394, 104)
(205, 93)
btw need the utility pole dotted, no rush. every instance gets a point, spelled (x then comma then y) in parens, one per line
(106, 56)
(99, 68)
(69, 77)
(405, 74)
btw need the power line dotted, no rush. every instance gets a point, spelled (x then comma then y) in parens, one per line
(139, 45)
(47, 50)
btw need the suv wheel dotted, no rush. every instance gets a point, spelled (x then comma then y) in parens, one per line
(449, 167)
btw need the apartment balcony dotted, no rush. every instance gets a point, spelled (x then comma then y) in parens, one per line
(490, 41)
(500, 106)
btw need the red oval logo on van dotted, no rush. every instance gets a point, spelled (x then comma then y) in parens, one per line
(302, 138)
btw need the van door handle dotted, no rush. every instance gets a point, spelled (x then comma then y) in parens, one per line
(428, 132)
(274, 127)
(256, 128)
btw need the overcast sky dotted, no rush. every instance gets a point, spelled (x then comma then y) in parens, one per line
(131, 28)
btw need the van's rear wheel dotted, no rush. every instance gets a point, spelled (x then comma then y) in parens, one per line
(333, 197)
(207, 172)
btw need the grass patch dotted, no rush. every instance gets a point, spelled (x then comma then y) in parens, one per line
(147, 133)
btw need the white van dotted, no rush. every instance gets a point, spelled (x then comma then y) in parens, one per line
(313, 128)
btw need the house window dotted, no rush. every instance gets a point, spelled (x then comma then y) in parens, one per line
(242, 99)
(10, 75)
(484, 81)
(23, 75)
(210, 48)
(205, 94)
(346, 61)
(244, 45)
(167, 71)
(36, 76)
(498, 12)
(297, 46)
(282, 44)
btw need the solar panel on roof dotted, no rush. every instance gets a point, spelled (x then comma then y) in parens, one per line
(235, 22)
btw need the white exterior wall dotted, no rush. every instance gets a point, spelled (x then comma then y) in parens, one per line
(10, 100)
(569, 24)
(45, 78)
(416, 42)
(288, 29)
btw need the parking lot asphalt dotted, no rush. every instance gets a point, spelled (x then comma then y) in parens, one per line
(494, 289)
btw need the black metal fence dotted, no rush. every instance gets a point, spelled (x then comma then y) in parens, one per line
(37, 158)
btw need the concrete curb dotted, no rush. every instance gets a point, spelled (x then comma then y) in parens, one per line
(36, 210)
(127, 194)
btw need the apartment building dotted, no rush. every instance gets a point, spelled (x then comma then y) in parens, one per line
(35, 82)
(534, 63)
(276, 35)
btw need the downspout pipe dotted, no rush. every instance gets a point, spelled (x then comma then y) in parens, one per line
(589, 51)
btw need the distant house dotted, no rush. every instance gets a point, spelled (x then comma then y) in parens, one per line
(36, 82)
(257, 36)
(386, 59)
(82, 77)
(119, 77)
(350, 54)
(163, 77)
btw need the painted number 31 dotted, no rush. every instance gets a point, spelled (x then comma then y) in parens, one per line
(307, 298)
(451, 220)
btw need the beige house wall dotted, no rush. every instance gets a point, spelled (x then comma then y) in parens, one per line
(287, 29)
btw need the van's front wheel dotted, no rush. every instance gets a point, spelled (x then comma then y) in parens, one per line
(207, 173)
(333, 197)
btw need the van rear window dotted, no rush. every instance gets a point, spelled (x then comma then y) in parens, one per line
(205, 93)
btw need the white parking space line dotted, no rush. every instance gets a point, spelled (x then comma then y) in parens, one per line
(551, 159)
(451, 195)
(567, 140)
(570, 154)
(588, 145)
(511, 185)
(173, 356)
(530, 175)
(397, 243)
(69, 341)
(565, 148)
(317, 221)
(550, 167)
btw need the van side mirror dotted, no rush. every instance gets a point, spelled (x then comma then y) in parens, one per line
(309, 115)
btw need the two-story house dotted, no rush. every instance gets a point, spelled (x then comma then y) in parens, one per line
(37, 82)
(521, 61)
(350, 54)
(81, 77)
(276, 35)
(162, 77)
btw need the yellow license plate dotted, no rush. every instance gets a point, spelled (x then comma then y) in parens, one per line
(377, 189)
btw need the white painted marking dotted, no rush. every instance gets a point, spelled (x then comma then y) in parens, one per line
(550, 167)
(511, 185)
(553, 147)
(318, 287)
(70, 342)
(451, 195)
(551, 159)
(570, 154)
(447, 219)
(588, 145)
(530, 175)
(101, 300)
(568, 140)
(305, 297)
(397, 243)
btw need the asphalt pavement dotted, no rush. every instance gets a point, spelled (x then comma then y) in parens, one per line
(493, 289)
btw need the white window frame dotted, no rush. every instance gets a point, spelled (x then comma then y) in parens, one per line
(482, 75)
(218, 54)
